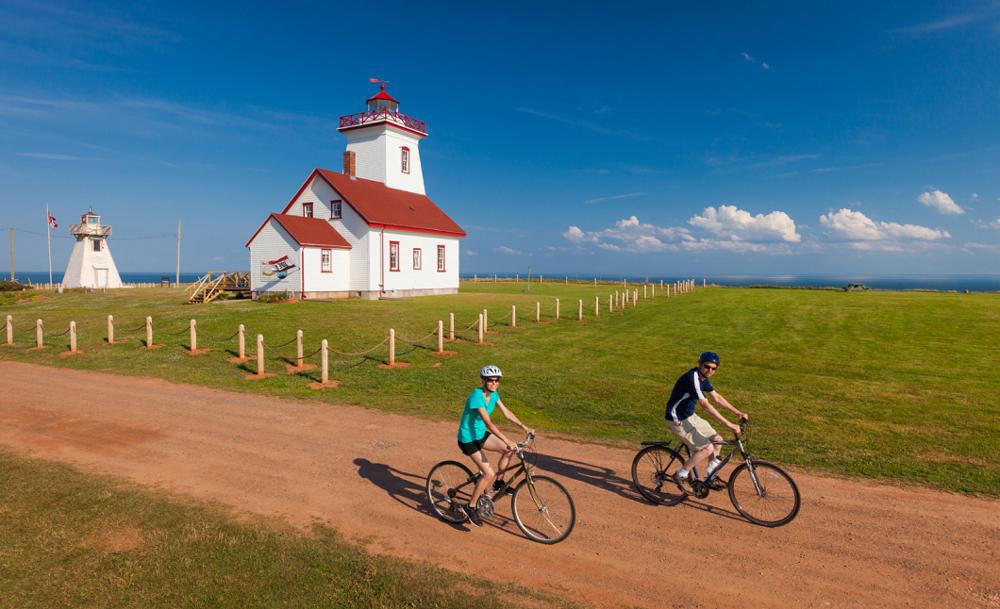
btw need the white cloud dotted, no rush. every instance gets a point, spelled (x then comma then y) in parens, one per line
(470, 253)
(508, 251)
(747, 56)
(995, 223)
(940, 201)
(975, 196)
(864, 233)
(633, 236)
(739, 225)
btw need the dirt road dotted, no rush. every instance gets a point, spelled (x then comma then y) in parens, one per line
(361, 471)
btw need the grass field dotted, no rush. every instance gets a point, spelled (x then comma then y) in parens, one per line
(70, 540)
(896, 386)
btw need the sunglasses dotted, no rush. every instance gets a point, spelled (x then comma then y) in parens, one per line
(492, 380)
(707, 367)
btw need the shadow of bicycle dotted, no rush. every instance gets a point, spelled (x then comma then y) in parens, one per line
(408, 489)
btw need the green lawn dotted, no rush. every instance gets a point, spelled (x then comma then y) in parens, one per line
(70, 540)
(887, 385)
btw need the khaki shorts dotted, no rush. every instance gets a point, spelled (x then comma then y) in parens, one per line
(693, 431)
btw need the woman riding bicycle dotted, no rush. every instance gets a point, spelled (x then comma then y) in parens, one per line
(477, 434)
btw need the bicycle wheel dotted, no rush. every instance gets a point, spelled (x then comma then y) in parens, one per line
(776, 504)
(543, 510)
(652, 473)
(449, 487)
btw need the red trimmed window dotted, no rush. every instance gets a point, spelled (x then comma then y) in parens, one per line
(418, 262)
(307, 210)
(336, 209)
(394, 255)
(441, 259)
(326, 261)
(405, 160)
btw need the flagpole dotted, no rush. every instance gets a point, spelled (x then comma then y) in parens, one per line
(177, 275)
(48, 231)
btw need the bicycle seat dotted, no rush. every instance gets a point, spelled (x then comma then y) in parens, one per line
(657, 442)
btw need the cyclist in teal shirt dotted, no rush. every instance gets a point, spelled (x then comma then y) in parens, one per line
(477, 433)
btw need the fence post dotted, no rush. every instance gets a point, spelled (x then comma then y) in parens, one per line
(10, 330)
(72, 337)
(243, 342)
(513, 316)
(260, 355)
(324, 362)
(611, 306)
(486, 319)
(579, 313)
(149, 332)
(557, 309)
(479, 341)
(475, 278)
(392, 347)
(538, 312)
(39, 337)
(440, 336)
(517, 278)
(595, 281)
(635, 297)
(597, 306)
(193, 331)
(704, 282)
(540, 278)
(644, 291)
(298, 349)
(111, 329)
(451, 326)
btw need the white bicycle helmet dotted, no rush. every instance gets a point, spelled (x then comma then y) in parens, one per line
(490, 370)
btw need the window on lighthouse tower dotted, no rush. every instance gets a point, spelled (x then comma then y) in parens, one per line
(405, 159)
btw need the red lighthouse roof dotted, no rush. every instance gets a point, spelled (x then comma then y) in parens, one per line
(382, 95)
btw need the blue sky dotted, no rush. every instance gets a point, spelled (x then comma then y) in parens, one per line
(624, 138)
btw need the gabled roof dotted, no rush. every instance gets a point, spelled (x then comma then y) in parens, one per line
(383, 207)
(311, 232)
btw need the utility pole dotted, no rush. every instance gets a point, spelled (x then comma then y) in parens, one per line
(177, 275)
(12, 278)
(48, 231)
(529, 278)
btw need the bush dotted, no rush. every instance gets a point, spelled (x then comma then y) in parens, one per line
(272, 297)
(7, 285)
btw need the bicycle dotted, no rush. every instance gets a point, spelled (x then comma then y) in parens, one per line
(542, 507)
(762, 492)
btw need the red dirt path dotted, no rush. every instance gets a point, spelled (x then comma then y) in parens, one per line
(361, 471)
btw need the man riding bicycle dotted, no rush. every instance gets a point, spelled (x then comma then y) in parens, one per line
(477, 433)
(691, 390)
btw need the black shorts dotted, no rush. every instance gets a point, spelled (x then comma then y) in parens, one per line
(475, 446)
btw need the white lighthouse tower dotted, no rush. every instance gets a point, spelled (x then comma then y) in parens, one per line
(90, 263)
(385, 143)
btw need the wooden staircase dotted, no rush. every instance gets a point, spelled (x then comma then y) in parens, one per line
(212, 284)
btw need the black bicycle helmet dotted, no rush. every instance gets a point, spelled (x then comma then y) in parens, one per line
(709, 356)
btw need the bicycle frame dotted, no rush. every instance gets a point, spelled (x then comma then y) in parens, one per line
(523, 469)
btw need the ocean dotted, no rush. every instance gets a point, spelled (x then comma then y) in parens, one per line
(956, 283)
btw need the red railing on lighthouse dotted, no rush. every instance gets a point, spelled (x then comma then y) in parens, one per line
(375, 116)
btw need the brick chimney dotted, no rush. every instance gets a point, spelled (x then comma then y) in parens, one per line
(350, 163)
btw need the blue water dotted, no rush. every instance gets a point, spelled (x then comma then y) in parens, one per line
(959, 283)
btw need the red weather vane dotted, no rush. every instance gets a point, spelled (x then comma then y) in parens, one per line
(379, 80)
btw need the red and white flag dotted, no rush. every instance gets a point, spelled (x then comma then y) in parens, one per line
(52, 221)
(374, 80)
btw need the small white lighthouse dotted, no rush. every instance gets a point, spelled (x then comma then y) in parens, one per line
(385, 143)
(90, 263)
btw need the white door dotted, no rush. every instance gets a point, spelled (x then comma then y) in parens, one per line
(102, 277)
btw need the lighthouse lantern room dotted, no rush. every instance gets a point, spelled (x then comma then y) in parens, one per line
(90, 263)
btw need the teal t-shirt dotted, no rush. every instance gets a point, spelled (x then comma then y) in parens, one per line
(472, 427)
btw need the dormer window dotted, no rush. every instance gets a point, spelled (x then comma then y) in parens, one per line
(307, 210)
(336, 209)
(405, 159)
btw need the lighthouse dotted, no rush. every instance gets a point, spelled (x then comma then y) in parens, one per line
(90, 263)
(369, 231)
(384, 144)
